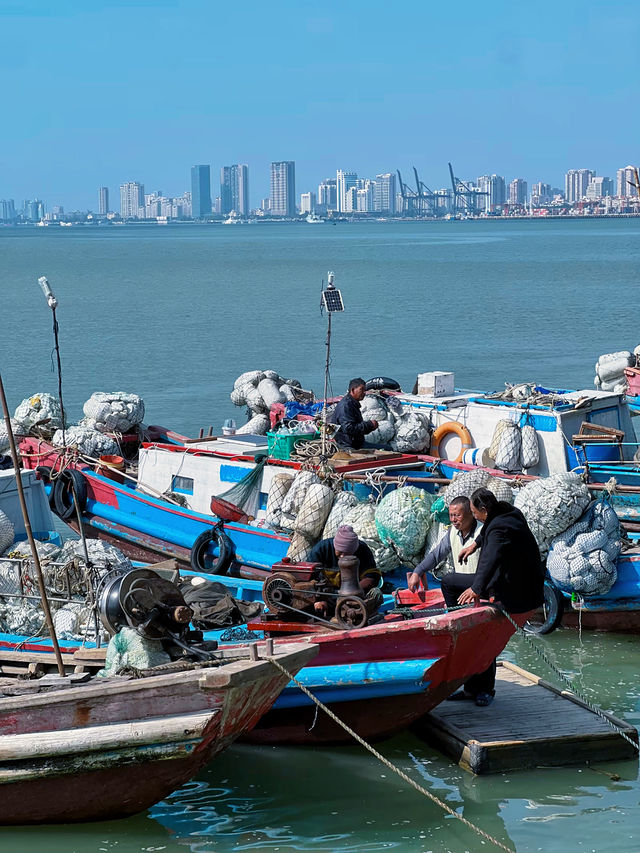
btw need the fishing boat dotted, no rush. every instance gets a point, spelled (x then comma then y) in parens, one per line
(113, 747)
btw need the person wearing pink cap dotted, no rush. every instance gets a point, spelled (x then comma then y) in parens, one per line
(346, 543)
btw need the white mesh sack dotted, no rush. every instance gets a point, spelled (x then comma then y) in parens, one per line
(403, 518)
(385, 556)
(255, 401)
(279, 487)
(413, 433)
(22, 550)
(101, 554)
(7, 531)
(507, 457)
(258, 425)
(287, 392)
(251, 377)
(295, 383)
(270, 392)
(500, 488)
(300, 547)
(9, 577)
(16, 427)
(373, 407)
(362, 518)
(114, 411)
(583, 558)
(70, 620)
(497, 435)
(551, 505)
(530, 452)
(239, 395)
(610, 366)
(21, 616)
(343, 502)
(87, 440)
(384, 434)
(38, 408)
(296, 494)
(465, 484)
(314, 511)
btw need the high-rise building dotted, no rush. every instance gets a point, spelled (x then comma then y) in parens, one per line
(494, 187)
(283, 188)
(518, 191)
(103, 201)
(541, 193)
(7, 210)
(384, 193)
(307, 203)
(599, 188)
(33, 210)
(576, 182)
(626, 182)
(200, 191)
(345, 181)
(234, 189)
(327, 195)
(131, 200)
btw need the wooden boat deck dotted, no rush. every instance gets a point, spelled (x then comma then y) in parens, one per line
(529, 724)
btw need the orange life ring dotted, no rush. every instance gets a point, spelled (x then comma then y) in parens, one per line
(455, 428)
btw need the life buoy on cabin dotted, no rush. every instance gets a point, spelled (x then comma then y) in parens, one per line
(66, 483)
(451, 428)
(219, 564)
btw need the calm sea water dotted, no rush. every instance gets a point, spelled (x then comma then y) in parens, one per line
(176, 313)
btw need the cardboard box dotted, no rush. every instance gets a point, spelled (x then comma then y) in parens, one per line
(438, 383)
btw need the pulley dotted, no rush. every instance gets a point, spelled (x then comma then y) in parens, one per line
(352, 612)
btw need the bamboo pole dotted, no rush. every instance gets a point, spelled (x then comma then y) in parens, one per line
(27, 525)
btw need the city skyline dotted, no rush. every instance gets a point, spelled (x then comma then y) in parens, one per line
(510, 92)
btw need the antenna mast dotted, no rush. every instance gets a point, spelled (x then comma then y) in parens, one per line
(332, 302)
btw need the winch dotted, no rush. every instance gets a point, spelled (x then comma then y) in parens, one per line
(293, 589)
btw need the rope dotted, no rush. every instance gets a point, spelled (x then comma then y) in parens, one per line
(593, 708)
(386, 762)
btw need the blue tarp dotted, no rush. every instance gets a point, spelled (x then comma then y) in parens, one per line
(292, 410)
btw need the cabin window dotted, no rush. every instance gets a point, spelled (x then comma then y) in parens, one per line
(182, 485)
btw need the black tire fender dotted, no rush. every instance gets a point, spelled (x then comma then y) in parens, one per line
(44, 473)
(553, 611)
(379, 383)
(221, 563)
(63, 488)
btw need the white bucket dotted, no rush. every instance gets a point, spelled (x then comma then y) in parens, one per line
(478, 456)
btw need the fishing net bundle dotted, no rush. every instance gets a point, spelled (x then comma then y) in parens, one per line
(551, 505)
(34, 410)
(314, 510)
(257, 425)
(465, 483)
(87, 440)
(362, 518)
(342, 504)
(295, 496)
(245, 494)
(530, 452)
(46, 551)
(506, 449)
(114, 411)
(501, 489)
(402, 519)
(610, 369)
(70, 620)
(102, 555)
(7, 531)
(374, 407)
(583, 558)
(128, 648)
(261, 389)
(280, 485)
(413, 433)
(21, 616)
(16, 428)
(299, 548)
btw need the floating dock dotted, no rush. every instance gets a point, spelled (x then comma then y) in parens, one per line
(530, 724)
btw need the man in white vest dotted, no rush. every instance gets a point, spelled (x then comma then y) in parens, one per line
(455, 543)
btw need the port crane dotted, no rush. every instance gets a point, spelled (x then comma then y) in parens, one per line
(465, 198)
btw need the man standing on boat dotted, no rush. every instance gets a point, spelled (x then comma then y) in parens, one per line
(348, 416)
(346, 544)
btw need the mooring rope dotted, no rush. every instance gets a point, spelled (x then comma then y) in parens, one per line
(593, 708)
(387, 763)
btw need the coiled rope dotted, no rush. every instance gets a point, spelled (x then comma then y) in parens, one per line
(386, 762)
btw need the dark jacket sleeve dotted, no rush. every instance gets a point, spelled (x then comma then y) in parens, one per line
(490, 562)
(347, 414)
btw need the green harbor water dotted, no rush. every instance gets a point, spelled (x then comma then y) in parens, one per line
(176, 313)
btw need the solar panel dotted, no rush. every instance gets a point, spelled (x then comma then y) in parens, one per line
(332, 300)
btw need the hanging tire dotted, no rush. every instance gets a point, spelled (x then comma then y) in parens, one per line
(220, 564)
(43, 473)
(550, 614)
(63, 488)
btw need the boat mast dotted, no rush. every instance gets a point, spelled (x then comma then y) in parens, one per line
(27, 526)
(331, 301)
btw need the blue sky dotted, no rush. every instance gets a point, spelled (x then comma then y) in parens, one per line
(102, 92)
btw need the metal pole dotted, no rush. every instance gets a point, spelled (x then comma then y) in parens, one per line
(326, 385)
(27, 525)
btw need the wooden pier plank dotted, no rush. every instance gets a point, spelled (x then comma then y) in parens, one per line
(530, 723)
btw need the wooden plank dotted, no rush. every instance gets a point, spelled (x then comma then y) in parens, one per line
(530, 723)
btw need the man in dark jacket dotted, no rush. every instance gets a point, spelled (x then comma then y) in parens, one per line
(509, 570)
(348, 415)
